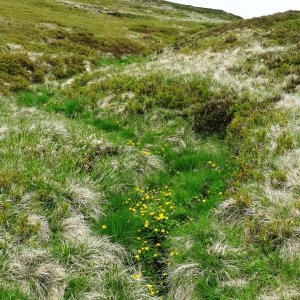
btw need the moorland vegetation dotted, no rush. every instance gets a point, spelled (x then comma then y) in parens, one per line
(148, 150)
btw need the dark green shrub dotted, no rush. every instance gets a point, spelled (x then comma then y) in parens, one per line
(123, 46)
(213, 117)
(65, 66)
(18, 83)
(231, 38)
(18, 71)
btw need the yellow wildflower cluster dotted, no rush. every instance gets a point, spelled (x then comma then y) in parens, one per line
(155, 208)
(132, 143)
(151, 287)
(197, 198)
(214, 166)
(160, 152)
(173, 253)
(152, 290)
(146, 153)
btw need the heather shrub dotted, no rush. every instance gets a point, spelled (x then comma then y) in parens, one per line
(213, 117)
(17, 71)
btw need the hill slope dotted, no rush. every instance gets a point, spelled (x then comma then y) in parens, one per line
(38, 37)
(158, 157)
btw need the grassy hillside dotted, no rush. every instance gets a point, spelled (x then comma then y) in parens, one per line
(48, 40)
(149, 150)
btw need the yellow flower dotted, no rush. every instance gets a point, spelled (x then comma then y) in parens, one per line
(103, 226)
(157, 244)
(147, 248)
(146, 224)
(137, 257)
(145, 153)
(172, 253)
(136, 276)
(155, 255)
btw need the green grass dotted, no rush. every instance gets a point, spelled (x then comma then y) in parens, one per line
(123, 61)
(193, 185)
(30, 99)
(12, 294)
(77, 286)
(62, 45)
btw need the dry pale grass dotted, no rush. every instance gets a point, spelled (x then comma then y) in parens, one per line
(291, 248)
(35, 273)
(218, 65)
(282, 293)
(62, 245)
(84, 197)
(182, 281)
(41, 223)
(235, 283)
(183, 243)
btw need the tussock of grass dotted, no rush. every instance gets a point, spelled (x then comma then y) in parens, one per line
(45, 238)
